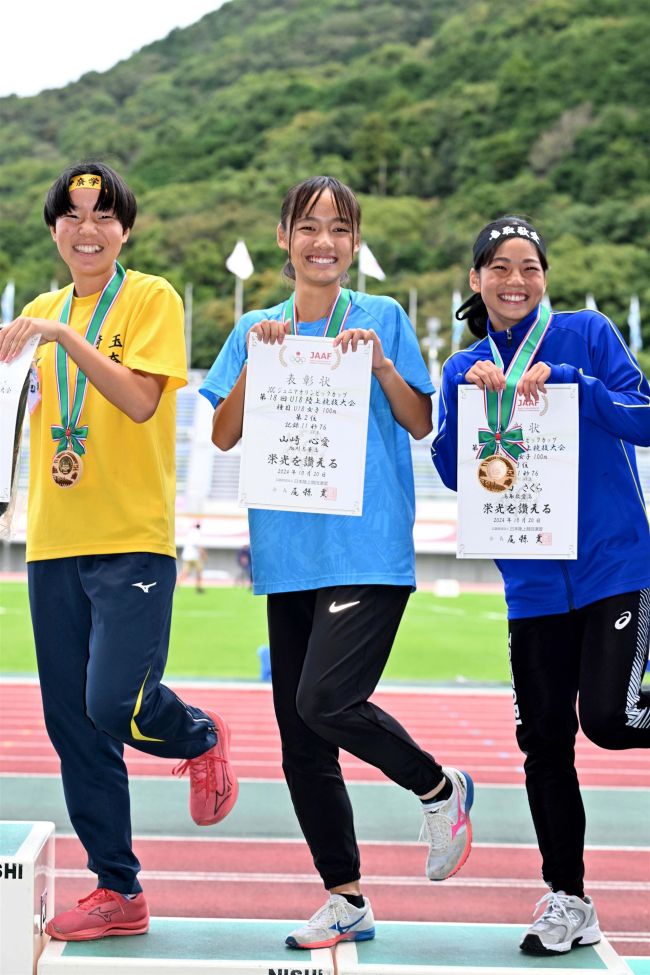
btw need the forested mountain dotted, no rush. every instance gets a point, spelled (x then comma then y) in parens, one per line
(442, 114)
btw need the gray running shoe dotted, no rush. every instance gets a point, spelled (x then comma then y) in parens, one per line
(337, 920)
(448, 829)
(567, 921)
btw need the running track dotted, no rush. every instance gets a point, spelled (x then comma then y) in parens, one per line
(249, 877)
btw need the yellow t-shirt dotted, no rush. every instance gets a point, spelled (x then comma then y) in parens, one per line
(124, 500)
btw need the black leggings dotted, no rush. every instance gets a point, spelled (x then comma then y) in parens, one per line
(328, 650)
(596, 654)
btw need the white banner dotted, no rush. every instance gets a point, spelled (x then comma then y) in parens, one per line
(305, 426)
(12, 380)
(536, 516)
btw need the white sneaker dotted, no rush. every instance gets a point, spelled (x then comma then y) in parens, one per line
(447, 827)
(567, 921)
(337, 920)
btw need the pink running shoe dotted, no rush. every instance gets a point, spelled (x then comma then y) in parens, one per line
(100, 915)
(213, 783)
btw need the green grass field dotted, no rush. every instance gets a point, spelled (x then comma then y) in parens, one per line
(217, 634)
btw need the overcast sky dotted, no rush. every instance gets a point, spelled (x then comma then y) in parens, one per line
(48, 43)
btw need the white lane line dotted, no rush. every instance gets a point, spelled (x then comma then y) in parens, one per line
(220, 876)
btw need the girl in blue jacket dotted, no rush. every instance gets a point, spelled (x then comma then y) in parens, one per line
(577, 629)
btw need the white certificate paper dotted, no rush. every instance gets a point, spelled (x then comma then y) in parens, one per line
(12, 380)
(305, 426)
(537, 518)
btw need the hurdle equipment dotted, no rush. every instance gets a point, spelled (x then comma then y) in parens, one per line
(26, 893)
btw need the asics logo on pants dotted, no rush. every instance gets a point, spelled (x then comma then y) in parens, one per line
(623, 620)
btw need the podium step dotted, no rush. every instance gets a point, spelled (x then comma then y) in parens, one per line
(411, 948)
(180, 946)
(26, 893)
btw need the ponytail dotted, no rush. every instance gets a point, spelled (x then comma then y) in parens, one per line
(474, 312)
(289, 271)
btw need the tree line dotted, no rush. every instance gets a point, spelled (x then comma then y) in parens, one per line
(441, 114)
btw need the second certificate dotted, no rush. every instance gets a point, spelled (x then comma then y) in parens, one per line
(305, 426)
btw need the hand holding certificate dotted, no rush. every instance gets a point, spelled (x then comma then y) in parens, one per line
(527, 510)
(305, 426)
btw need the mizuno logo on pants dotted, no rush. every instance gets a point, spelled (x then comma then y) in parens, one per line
(145, 586)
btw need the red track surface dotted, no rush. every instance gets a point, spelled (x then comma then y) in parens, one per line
(473, 730)
(239, 878)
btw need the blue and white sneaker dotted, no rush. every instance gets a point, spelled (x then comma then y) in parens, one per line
(337, 920)
(447, 827)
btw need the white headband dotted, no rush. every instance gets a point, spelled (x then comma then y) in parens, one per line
(507, 231)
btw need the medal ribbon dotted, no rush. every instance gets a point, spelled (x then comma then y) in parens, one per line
(69, 433)
(501, 437)
(335, 320)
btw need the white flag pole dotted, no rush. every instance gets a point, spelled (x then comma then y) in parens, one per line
(634, 323)
(239, 298)
(189, 293)
(457, 327)
(434, 342)
(413, 307)
(7, 303)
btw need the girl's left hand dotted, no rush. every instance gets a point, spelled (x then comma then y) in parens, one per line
(532, 383)
(14, 335)
(350, 338)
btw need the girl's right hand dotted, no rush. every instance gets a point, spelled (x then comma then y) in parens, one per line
(270, 331)
(486, 375)
(14, 336)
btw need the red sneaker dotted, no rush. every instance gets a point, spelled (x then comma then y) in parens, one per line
(213, 783)
(100, 915)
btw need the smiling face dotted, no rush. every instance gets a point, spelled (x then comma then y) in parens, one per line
(512, 283)
(89, 241)
(320, 242)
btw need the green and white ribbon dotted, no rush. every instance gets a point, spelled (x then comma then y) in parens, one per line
(70, 434)
(335, 320)
(500, 436)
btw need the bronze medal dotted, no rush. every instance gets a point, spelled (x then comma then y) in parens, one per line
(67, 468)
(497, 473)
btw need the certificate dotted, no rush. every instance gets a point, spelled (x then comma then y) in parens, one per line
(12, 381)
(533, 512)
(305, 426)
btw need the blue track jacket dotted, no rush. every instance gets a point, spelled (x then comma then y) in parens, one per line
(581, 347)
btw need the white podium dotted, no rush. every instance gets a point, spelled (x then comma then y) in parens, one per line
(26, 893)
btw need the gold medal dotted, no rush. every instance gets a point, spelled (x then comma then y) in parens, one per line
(497, 473)
(67, 468)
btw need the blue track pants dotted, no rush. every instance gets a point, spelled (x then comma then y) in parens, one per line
(101, 627)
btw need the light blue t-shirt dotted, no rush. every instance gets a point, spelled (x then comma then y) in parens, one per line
(296, 550)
